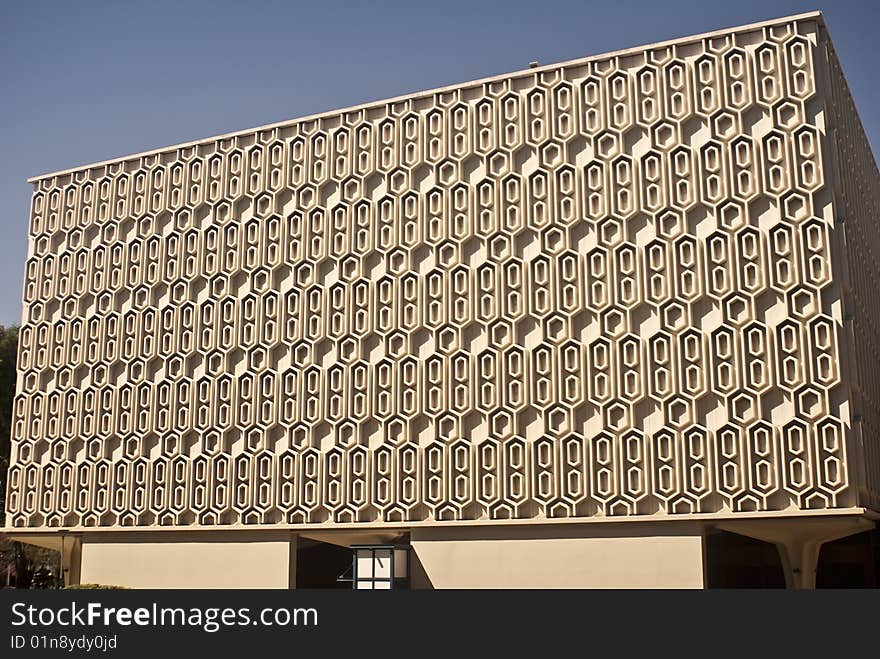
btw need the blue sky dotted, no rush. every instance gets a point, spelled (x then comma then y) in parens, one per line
(86, 81)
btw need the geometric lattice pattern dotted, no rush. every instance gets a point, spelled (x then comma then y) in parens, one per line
(606, 288)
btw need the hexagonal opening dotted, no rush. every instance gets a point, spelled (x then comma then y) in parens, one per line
(674, 316)
(554, 240)
(395, 431)
(170, 444)
(501, 333)
(743, 408)
(616, 416)
(136, 370)
(803, 303)
(498, 164)
(795, 207)
(346, 434)
(141, 297)
(63, 377)
(447, 255)
(351, 190)
(551, 154)
(732, 216)
(664, 135)
(297, 436)
(611, 232)
(302, 355)
(145, 226)
(738, 309)
(500, 247)
(678, 413)
(221, 213)
(132, 446)
(178, 292)
(725, 125)
(396, 261)
(219, 285)
(94, 449)
(304, 274)
(99, 374)
(307, 196)
(348, 348)
(397, 181)
(447, 339)
(606, 145)
(215, 363)
(349, 268)
(558, 421)
(395, 344)
(254, 439)
(787, 115)
(446, 427)
(671, 224)
(614, 322)
(502, 424)
(263, 204)
(257, 359)
(555, 328)
(446, 173)
(260, 280)
(811, 404)
(174, 366)
(69, 309)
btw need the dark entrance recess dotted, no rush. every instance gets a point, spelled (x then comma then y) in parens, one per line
(319, 563)
(851, 562)
(736, 561)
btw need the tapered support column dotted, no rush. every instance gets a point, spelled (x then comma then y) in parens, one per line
(799, 541)
(70, 550)
(799, 560)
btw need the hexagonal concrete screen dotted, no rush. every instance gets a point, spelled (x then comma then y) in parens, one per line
(550, 328)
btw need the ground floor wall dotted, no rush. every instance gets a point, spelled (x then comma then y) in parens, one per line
(696, 553)
(600, 556)
(567, 556)
(189, 560)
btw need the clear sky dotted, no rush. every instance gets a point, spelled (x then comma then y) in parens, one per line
(83, 81)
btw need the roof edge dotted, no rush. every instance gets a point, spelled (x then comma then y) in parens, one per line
(656, 518)
(816, 15)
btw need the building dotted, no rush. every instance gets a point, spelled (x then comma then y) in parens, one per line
(600, 323)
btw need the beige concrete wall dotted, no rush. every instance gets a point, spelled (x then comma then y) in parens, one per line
(189, 561)
(563, 558)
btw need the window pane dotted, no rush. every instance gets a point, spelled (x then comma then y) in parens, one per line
(364, 564)
(382, 565)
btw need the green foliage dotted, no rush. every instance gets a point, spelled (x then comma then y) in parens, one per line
(28, 566)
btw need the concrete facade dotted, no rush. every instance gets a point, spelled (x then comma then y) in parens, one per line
(629, 290)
